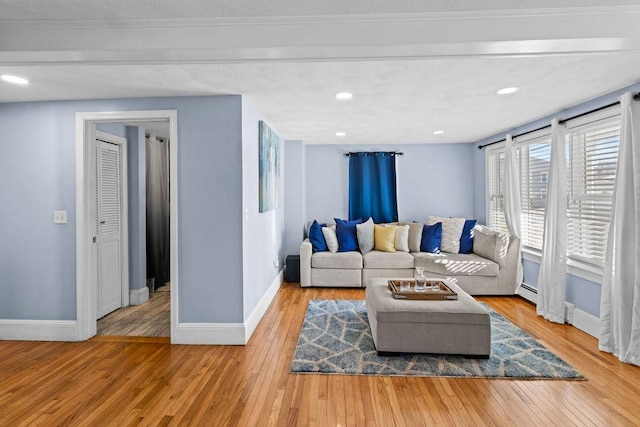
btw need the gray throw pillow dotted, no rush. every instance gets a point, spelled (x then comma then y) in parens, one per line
(364, 232)
(401, 240)
(490, 244)
(415, 236)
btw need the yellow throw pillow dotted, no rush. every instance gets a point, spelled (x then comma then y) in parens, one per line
(384, 238)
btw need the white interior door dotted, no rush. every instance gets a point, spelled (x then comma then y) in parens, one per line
(109, 226)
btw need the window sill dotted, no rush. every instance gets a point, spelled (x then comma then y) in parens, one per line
(574, 268)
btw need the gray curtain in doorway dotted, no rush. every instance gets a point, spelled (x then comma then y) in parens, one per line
(157, 177)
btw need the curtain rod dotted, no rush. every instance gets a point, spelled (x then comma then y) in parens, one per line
(159, 138)
(393, 153)
(636, 97)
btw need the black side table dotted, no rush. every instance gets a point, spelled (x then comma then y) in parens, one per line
(292, 270)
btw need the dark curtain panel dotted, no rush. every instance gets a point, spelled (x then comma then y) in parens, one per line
(372, 186)
(158, 208)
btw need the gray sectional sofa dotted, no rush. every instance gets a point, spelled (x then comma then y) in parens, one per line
(494, 267)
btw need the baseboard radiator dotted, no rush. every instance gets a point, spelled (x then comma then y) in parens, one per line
(569, 308)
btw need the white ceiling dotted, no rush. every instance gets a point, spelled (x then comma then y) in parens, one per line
(413, 66)
(105, 9)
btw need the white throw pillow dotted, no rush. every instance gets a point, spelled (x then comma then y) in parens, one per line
(331, 238)
(415, 235)
(451, 232)
(401, 241)
(364, 232)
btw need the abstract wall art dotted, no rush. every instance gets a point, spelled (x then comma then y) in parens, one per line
(269, 164)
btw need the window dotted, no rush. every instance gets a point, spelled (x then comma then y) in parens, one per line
(591, 152)
(534, 152)
(592, 156)
(495, 189)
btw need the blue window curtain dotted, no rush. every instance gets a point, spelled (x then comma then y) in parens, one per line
(372, 186)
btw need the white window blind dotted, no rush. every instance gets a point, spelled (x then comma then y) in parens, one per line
(533, 161)
(592, 155)
(495, 187)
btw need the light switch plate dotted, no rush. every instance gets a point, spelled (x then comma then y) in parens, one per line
(59, 217)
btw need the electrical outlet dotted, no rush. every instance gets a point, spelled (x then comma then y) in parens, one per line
(276, 264)
(568, 312)
(59, 217)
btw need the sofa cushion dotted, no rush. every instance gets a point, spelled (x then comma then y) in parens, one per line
(456, 264)
(343, 260)
(491, 244)
(317, 238)
(384, 238)
(451, 232)
(378, 259)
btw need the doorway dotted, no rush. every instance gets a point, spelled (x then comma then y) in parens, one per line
(86, 250)
(148, 311)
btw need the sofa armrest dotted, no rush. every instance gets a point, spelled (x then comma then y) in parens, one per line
(306, 250)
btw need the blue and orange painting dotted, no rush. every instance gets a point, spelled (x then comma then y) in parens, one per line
(269, 163)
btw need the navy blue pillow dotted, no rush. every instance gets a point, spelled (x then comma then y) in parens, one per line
(347, 234)
(466, 240)
(431, 238)
(317, 238)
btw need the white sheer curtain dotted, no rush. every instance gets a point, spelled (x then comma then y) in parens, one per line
(620, 302)
(512, 206)
(552, 276)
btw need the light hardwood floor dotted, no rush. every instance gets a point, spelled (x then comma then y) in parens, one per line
(151, 319)
(147, 381)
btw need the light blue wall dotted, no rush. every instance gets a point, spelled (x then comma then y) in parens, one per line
(432, 179)
(262, 233)
(583, 293)
(37, 176)
(137, 200)
(116, 129)
(294, 196)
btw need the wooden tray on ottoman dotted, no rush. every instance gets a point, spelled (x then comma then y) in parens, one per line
(443, 292)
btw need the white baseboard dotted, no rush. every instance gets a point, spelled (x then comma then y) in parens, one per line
(138, 296)
(580, 319)
(251, 323)
(586, 322)
(209, 334)
(527, 294)
(38, 330)
(227, 333)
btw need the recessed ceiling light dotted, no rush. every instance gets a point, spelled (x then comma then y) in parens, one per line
(438, 132)
(507, 90)
(343, 95)
(341, 133)
(14, 79)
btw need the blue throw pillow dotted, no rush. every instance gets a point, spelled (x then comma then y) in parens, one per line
(347, 234)
(317, 238)
(466, 240)
(431, 238)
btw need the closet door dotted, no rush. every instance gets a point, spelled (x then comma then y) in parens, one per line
(108, 227)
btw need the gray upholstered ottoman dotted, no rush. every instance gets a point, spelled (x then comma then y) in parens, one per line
(459, 326)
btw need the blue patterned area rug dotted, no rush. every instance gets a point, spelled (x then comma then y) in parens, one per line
(336, 339)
